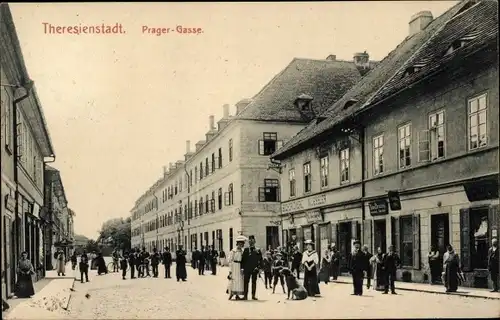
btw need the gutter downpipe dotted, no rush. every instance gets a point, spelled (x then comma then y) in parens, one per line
(189, 207)
(27, 86)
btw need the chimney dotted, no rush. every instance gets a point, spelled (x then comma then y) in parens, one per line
(199, 145)
(331, 57)
(188, 146)
(242, 104)
(420, 21)
(211, 123)
(171, 166)
(225, 111)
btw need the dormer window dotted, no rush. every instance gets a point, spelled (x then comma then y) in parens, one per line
(462, 42)
(304, 102)
(349, 103)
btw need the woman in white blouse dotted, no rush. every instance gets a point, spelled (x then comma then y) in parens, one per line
(310, 261)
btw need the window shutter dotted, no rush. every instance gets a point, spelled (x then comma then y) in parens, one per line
(465, 253)
(19, 129)
(279, 144)
(226, 198)
(494, 221)
(424, 146)
(261, 147)
(396, 242)
(334, 233)
(416, 241)
(262, 194)
(367, 234)
(354, 230)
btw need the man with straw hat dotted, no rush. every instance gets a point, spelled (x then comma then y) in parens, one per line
(236, 279)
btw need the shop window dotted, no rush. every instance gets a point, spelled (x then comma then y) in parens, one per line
(479, 226)
(270, 191)
(406, 239)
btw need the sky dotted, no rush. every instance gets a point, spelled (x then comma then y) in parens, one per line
(121, 106)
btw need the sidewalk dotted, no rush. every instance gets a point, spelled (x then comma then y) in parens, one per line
(69, 274)
(437, 289)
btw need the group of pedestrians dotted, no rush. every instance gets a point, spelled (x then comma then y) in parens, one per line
(206, 259)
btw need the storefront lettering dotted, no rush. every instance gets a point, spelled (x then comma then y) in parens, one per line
(10, 203)
(314, 216)
(378, 208)
(303, 204)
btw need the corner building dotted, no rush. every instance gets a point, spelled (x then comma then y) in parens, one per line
(225, 186)
(424, 126)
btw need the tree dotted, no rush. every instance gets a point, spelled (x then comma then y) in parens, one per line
(118, 231)
(92, 245)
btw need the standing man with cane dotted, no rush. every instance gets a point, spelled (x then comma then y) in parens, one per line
(251, 263)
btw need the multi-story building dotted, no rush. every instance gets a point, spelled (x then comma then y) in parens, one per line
(58, 217)
(225, 187)
(25, 143)
(410, 154)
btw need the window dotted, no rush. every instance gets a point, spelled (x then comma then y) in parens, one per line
(190, 178)
(195, 208)
(207, 169)
(478, 136)
(220, 158)
(291, 181)
(201, 170)
(230, 150)
(431, 142)
(272, 237)
(175, 188)
(324, 171)
(212, 202)
(406, 224)
(269, 144)
(213, 162)
(195, 174)
(307, 177)
(378, 155)
(479, 227)
(180, 184)
(344, 165)
(201, 206)
(404, 138)
(207, 204)
(228, 196)
(270, 191)
(219, 198)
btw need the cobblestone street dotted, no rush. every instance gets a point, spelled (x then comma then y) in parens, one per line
(204, 297)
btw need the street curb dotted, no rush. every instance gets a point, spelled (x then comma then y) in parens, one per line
(435, 292)
(69, 296)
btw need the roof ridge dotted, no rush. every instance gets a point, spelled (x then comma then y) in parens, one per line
(414, 54)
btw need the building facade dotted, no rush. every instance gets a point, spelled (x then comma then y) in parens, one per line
(227, 186)
(25, 145)
(413, 160)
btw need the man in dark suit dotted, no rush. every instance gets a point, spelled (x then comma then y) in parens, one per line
(201, 261)
(493, 263)
(166, 260)
(251, 263)
(155, 261)
(194, 258)
(390, 263)
(369, 270)
(214, 256)
(357, 267)
(132, 257)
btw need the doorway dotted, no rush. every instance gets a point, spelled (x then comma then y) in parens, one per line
(440, 231)
(379, 235)
(344, 245)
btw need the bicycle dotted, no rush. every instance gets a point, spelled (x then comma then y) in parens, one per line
(144, 270)
(112, 266)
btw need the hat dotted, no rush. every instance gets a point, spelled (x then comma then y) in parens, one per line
(357, 242)
(309, 242)
(279, 254)
(241, 239)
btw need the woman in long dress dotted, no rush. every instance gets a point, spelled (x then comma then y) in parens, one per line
(236, 282)
(310, 261)
(324, 272)
(61, 262)
(25, 270)
(101, 265)
(451, 266)
(378, 270)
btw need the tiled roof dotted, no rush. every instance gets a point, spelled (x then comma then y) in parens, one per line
(479, 24)
(371, 84)
(324, 80)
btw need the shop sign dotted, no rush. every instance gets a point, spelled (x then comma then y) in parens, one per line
(10, 203)
(36, 210)
(378, 208)
(304, 204)
(314, 216)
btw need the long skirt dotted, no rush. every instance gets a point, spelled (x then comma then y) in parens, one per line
(101, 267)
(451, 280)
(180, 271)
(311, 282)
(237, 283)
(24, 286)
(60, 266)
(379, 277)
(324, 274)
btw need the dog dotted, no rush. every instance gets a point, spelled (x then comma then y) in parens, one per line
(296, 290)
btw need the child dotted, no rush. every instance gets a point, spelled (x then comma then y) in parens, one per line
(267, 268)
(278, 265)
(124, 264)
